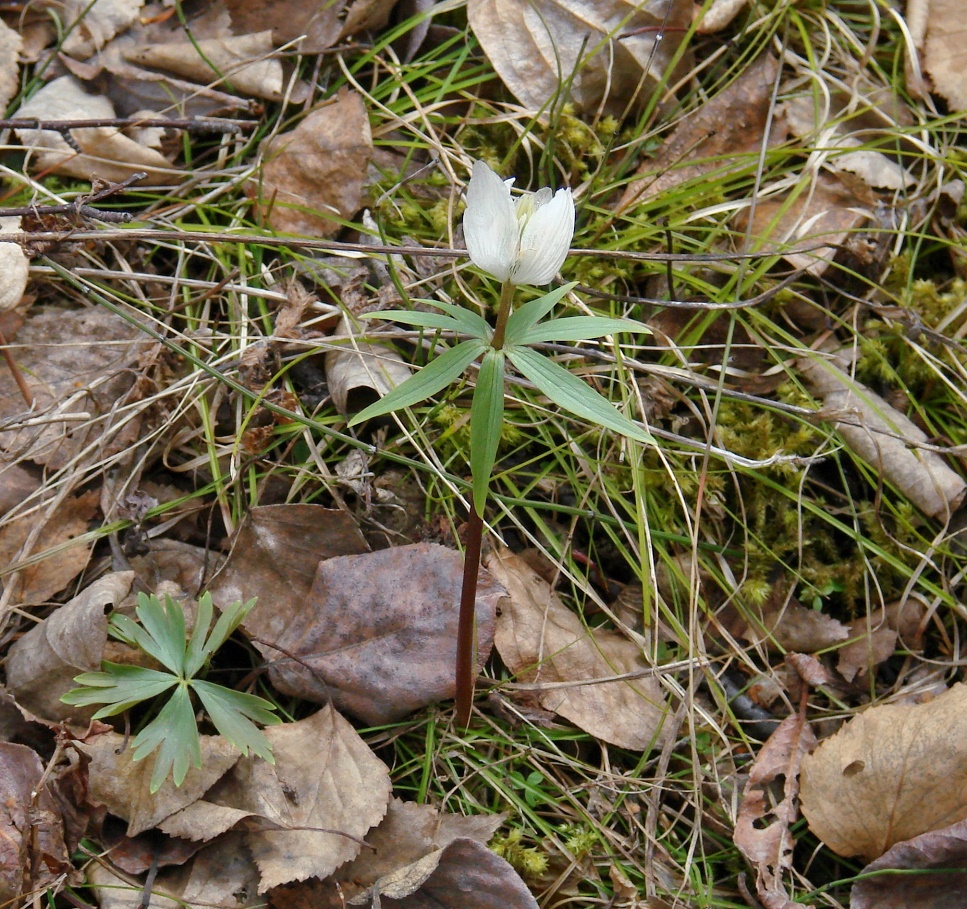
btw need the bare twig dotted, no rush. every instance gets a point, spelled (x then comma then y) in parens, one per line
(191, 124)
(82, 206)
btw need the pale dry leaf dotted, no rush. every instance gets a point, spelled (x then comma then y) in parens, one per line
(940, 857)
(32, 848)
(325, 777)
(14, 265)
(64, 559)
(542, 641)
(105, 151)
(377, 633)
(11, 45)
(42, 664)
(316, 173)
(359, 373)
(89, 26)
(763, 831)
(891, 773)
(123, 785)
(221, 876)
(883, 437)
(724, 134)
(587, 46)
(945, 51)
(719, 15)
(74, 362)
(245, 63)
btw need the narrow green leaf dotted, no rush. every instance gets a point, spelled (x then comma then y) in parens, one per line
(577, 328)
(468, 322)
(196, 653)
(525, 318)
(419, 319)
(486, 421)
(428, 381)
(570, 393)
(232, 712)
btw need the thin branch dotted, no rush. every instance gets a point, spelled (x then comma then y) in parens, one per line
(191, 124)
(82, 206)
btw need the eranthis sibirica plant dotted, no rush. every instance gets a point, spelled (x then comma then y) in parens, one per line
(518, 242)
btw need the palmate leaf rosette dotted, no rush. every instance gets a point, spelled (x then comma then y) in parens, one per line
(173, 732)
(527, 326)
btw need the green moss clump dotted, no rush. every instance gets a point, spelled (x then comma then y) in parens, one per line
(528, 861)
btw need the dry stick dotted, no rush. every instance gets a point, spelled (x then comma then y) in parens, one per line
(18, 377)
(194, 124)
(83, 206)
(466, 658)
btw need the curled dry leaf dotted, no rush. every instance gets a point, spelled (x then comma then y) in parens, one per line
(304, 815)
(360, 373)
(884, 438)
(32, 849)
(14, 265)
(940, 856)
(586, 45)
(105, 151)
(89, 26)
(11, 44)
(790, 626)
(763, 828)
(718, 16)
(945, 53)
(315, 174)
(543, 642)
(318, 25)
(123, 785)
(221, 876)
(41, 665)
(875, 637)
(890, 774)
(377, 633)
(74, 361)
(243, 63)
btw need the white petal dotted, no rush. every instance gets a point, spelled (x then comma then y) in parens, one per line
(489, 223)
(545, 241)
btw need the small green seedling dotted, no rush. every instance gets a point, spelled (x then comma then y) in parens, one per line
(173, 730)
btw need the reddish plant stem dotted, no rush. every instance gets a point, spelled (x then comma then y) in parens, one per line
(466, 652)
(16, 373)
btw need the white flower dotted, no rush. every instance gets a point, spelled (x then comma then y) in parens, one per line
(524, 242)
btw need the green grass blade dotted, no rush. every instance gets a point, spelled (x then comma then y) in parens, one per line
(577, 328)
(525, 318)
(486, 420)
(570, 393)
(444, 370)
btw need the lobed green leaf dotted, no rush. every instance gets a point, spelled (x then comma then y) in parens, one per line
(232, 712)
(165, 627)
(119, 686)
(175, 736)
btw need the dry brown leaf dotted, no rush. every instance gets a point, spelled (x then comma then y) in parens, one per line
(884, 438)
(38, 582)
(536, 47)
(289, 20)
(42, 664)
(106, 152)
(876, 637)
(891, 773)
(360, 373)
(945, 51)
(221, 876)
(542, 641)
(123, 785)
(317, 172)
(822, 215)
(242, 63)
(32, 849)
(11, 44)
(325, 782)
(74, 361)
(377, 632)
(17, 484)
(723, 134)
(940, 856)
(763, 827)
(89, 26)
(790, 627)
(275, 555)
